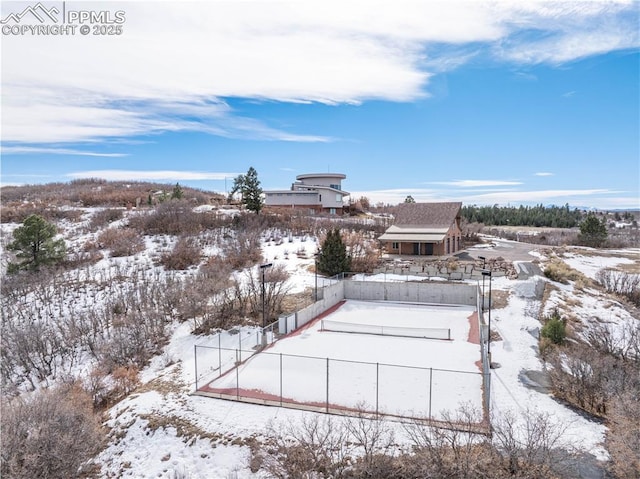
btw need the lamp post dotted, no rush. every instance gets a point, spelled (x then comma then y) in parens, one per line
(315, 260)
(488, 273)
(483, 263)
(263, 267)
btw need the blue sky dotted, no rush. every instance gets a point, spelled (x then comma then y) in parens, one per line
(485, 103)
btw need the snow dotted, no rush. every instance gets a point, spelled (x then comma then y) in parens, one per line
(216, 447)
(515, 353)
(408, 371)
(590, 265)
(295, 254)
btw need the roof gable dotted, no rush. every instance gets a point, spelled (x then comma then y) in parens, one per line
(427, 215)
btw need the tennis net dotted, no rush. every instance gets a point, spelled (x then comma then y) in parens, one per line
(343, 327)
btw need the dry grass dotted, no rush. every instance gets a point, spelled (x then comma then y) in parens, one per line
(499, 299)
(631, 268)
(572, 301)
(166, 385)
(191, 432)
(557, 270)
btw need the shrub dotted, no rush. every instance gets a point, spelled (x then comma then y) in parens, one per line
(364, 253)
(559, 271)
(184, 254)
(623, 438)
(554, 329)
(121, 241)
(173, 217)
(104, 217)
(243, 250)
(619, 282)
(51, 434)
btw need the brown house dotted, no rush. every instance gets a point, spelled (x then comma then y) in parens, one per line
(424, 229)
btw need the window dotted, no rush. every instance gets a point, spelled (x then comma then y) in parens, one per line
(395, 245)
(338, 198)
(332, 211)
(320, 197)
(335, 187)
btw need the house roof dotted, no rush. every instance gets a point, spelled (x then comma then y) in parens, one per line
(422, 222)
(427, 216)
(321, 175)
(413, 237)
(416, 230)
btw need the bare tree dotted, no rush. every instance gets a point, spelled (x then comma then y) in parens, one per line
(275, 289)
(315, 448)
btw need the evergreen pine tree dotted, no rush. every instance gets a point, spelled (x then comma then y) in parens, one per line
(34, 244)
(249, 188)
(554, 329)
(177, 193)
(333, 258)
(593, 232)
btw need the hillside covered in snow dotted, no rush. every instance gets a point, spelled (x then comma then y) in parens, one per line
(115, 327)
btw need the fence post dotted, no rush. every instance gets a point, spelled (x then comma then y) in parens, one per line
(430, 389)
(240, 345)
(280, 379)
(327, 385)
(195, 362)
(377, 385)
(237, 383)
(219, 355)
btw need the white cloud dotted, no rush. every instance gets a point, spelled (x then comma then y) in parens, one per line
(568, 31)
(534, 196)
(56, 151)
(543, 173)
(175, 61)
(151, 175)
(476, 183)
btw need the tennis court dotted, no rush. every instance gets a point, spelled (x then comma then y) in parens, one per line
(353, 367)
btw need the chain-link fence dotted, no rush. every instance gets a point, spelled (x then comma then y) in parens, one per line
(230, 368)
(336, 385)
(228, 349)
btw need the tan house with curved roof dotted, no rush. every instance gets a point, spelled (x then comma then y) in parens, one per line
(314, 192)
(425, 229)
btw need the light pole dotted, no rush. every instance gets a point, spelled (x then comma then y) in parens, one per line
(263, 267)
(483, 263)
(315, 260)
(488, 273)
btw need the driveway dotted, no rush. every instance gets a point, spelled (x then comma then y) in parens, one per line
(496, 247)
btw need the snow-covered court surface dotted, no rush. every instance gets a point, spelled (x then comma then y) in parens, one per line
(339, 372)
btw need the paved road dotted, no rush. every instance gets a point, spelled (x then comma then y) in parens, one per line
(517, 253)
(509, 250)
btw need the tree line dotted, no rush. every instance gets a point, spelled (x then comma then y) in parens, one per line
(539, 215)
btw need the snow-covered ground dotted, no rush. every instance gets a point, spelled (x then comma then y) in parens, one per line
(162, 430)
(590, 264)
(224, 427)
